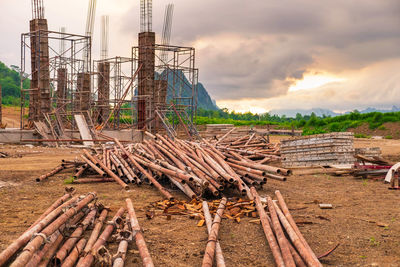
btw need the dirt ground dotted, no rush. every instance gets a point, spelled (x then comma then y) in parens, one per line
(359, 207)
(11, 116)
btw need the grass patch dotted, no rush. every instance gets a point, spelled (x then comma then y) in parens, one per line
(361, 135)
(69, 180)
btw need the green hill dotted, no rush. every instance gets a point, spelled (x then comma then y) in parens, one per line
(10, 83)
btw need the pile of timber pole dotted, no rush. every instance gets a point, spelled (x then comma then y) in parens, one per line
(59, 237)
(252, 146)
(287, 244)
(198, 169)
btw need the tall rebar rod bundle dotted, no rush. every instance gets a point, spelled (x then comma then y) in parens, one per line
(89, 30)
(104, 36)
(37, 9)
(166, 32)
(146, 15)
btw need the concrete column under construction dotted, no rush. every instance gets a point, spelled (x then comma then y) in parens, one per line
(61, 87)
(103, 101)
(146, 76)
(39, 98)
(83, 88)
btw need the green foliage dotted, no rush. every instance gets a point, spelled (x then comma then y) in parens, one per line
(361, 135)
(373, 242)
(388, 137)
(69, 180)
(10, 82)
(382, 127)
(311, 124)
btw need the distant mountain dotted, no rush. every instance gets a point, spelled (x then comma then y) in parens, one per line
(291, 113)
(368, 110)
(204, 100)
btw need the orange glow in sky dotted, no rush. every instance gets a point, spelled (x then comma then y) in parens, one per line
(311, 81)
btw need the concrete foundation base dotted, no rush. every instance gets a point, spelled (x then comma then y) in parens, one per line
(15, 135)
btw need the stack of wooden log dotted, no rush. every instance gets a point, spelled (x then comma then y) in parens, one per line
(196, 168)
(218, 130)
(57, 238)
(253, 146)
(318, 150)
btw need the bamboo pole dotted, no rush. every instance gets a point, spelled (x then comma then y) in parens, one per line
(37, 241)
(209, 253)
(280, 236)
(108, 171)
(26, 236)
(140, 242)
(88, 260)
(269, 234)
(74, 255)
(148, 175)
(293, 225)
(219, 257)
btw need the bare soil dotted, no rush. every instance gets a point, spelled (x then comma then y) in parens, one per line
(359, 207)
(388, 130)
(11, 116)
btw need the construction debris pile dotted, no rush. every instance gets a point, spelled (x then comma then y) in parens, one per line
(196, 168)
(253, 146)
(318, 150)
(235, 209)
(61, 236)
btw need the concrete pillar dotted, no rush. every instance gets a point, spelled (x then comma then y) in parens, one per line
(84, 92)
(146, 76)
(103, 86)
(39, 98)
(61, 88)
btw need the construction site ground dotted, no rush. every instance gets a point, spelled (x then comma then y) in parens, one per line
(365, 218)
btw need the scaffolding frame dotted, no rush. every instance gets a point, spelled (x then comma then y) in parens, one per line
(176, 66)
(120, 80)
(72, 58)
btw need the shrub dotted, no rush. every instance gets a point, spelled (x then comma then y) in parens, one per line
(361, 135)
(382, 127)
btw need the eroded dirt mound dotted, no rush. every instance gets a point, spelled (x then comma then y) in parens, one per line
(388, 130)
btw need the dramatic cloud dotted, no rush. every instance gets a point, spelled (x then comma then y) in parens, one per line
(250, 52)
(255, 50)
(374, 86)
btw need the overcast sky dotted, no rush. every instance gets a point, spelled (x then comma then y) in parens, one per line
(253, 55)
